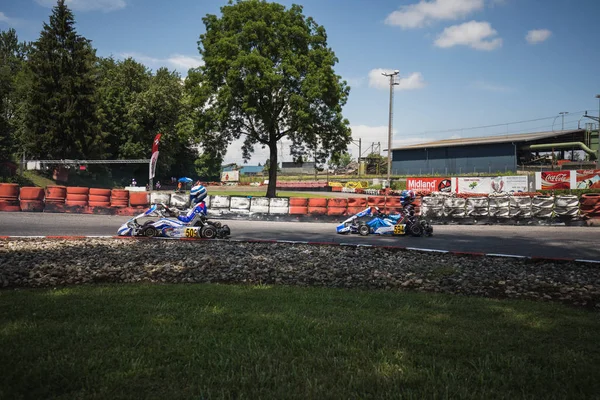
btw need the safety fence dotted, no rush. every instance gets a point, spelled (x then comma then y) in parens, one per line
(439, 207)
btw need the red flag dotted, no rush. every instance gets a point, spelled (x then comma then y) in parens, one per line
(155, 143)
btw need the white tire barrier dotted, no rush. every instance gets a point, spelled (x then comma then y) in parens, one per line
(542, 206)
(239, 205)
(454, 207)
(220, 202)
(180, 201)
(520, 207)
(477, 207)
(279, 206)
(432, 207)
(499, 206)
(566, 206)
(160, 198)
(259, 205)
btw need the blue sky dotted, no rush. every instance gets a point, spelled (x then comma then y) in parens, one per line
(462, 63)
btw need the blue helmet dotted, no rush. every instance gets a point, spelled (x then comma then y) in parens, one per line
(198, 193)
(407, 197)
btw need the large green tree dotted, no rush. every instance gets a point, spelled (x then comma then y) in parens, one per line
(268, 74)
(61, 120)
(12, 59)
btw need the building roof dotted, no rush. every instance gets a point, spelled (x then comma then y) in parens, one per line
(521, 137)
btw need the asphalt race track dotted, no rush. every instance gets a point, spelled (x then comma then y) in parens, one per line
(533, 241)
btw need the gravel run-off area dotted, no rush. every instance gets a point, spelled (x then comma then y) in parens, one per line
(56, 262)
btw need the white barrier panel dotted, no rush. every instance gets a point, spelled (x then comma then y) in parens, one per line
(220, 201)
(179, 200)
(566, 206)
(520, 207)
(542, 206)
(477, 207)
(499, 206)
(239, 203)
(432, 206)
(279, 205)
(454, 207)
(259, 205)
(160, 198)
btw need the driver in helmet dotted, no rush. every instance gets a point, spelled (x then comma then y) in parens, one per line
(407, 197)
(197, 205)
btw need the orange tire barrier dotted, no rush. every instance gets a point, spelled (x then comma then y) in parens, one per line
(137, 199)
(590, 199)
(98, 197)
(56, 194)
(337, 210)
(10, 205)
(119, 203)
(355, 210)
(77, 190)
(9, 191)
(318, 202)
(100, 192)
(298, 210)
(119, 194)
(378, 201)
(31, 193)
(392, 210)
(337, 203)
(99, 203)
(393, 201)
(76, 203)
(298, 201)
(77, 197)
(317, 210)
(357, 202)
(32, 205)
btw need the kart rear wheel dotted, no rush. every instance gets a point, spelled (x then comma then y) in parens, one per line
(416, 229)
(364, 230)
(208, 232)
(149, 231)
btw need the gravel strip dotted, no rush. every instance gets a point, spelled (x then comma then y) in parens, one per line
(53, 262)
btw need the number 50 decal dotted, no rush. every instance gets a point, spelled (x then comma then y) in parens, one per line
(190, 232)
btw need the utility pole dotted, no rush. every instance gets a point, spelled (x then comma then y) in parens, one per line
(562, 114)
(392, 77)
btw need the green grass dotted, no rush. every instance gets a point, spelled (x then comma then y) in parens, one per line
(272, 342)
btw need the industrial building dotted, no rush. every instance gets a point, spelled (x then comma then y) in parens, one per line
(506, 153)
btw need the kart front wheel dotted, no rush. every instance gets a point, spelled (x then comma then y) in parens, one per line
(149, 231)
(208, 232)
(364, 230)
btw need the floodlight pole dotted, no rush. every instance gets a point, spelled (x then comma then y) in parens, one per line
(390, 119)
(562, 114)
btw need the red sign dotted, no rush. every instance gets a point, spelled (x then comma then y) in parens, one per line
(588, 179)
(556, 180)
(429, 184)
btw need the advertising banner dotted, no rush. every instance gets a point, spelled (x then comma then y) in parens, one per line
(588, 179)
(554, 180)
(498, 184)
(429, 184)
(154, 157)
(230, 176)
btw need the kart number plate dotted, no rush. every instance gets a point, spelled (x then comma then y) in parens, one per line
(399, 229)
(191, 232)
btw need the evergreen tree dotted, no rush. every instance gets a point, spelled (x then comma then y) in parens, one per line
(61, 120)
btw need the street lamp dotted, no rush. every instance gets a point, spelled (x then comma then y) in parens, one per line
(391, 117)
(562, 114)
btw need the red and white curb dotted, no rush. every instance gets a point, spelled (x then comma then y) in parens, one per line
(401, 248)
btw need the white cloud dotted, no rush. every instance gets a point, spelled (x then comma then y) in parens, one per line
(377, 80)
(537, 36)
(477, 35)
(179, 62)
(7, 20)
(88, 5)
(425, 12)
(491, 87)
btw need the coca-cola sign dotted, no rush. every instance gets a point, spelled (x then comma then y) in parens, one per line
(555, 180)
